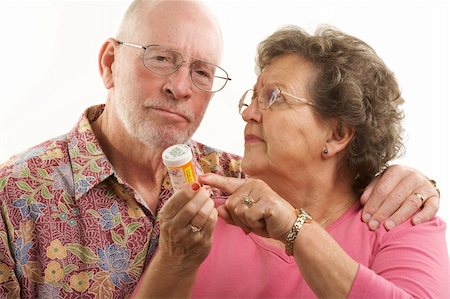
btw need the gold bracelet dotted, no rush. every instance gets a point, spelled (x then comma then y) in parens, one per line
(302, 218)
(433, 182)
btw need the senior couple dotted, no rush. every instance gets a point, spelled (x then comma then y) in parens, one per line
(322, 121)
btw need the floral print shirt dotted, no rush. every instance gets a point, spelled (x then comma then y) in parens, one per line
(70, 228)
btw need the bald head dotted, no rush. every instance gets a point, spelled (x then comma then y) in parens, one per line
(187, 26)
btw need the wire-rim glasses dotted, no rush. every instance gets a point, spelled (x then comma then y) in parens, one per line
(165, 61)
(266, 99)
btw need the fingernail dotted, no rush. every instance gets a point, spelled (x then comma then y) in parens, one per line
(202, 176)
(366, 217)
(195, 186)
(373, 224)
(208, 188)
(389, 224)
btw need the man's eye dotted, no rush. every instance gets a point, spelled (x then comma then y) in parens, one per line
(160, 58)
(203, 74)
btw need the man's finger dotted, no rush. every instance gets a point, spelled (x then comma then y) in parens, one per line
(430, 209)
(405, 212)
(376, 193)
(178, 200)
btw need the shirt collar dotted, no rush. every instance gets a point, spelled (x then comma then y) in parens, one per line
(89, 164)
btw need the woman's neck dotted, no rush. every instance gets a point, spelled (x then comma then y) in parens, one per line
(325, 196)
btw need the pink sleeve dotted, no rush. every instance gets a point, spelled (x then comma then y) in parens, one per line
(409, 262)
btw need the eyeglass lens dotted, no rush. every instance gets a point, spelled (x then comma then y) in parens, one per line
(204, 75)
(265, 99)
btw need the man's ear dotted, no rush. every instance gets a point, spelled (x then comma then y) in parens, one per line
(339, 136)
(105, 62)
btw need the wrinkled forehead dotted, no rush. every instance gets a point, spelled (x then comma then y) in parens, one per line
(185, 26)
(273, 76)
(288, 72)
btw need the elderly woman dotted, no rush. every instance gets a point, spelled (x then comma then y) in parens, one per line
(323, 120)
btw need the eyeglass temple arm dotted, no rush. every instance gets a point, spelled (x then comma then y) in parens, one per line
(131, 45)
(220, 77)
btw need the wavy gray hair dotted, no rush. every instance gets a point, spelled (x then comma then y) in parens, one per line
(353, 86)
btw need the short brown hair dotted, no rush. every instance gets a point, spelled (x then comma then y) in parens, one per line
(352, 85)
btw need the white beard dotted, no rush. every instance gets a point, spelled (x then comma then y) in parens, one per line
(138, 125)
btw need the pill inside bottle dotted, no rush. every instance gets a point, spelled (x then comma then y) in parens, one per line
(178, 160)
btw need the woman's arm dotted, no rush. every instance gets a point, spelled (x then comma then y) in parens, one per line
(404, 252)
(409, 261)
(325, 266)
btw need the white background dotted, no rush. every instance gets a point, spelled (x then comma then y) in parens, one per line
(49, 75)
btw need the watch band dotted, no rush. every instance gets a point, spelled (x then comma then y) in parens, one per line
(302, 218)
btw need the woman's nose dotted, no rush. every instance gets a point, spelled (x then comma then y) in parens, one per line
(252, 113)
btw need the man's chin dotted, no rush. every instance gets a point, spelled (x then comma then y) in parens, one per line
(164, 138)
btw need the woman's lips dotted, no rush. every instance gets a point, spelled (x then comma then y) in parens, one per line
(250, 138)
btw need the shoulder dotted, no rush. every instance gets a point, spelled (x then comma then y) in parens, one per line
(424, 232)
(217, 161)
(32, 163)
(418, 252)
(403, 236)
(425, 242)
(46, 150)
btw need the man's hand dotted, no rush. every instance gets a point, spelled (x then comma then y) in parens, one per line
(187, 223)
(396, 195)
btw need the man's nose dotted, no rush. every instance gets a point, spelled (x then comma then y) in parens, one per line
(179, 84)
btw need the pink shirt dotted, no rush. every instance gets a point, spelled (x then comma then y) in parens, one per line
(409, 261)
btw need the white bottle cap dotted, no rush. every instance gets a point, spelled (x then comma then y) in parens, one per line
(177, 155)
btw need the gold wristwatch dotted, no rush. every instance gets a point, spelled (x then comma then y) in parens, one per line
(302, 218)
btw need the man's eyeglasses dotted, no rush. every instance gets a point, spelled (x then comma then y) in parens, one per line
(164, 61)
(266, 98)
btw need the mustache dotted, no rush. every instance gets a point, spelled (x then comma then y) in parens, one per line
(172, 106)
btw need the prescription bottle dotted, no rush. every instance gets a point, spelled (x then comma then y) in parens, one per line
(178, 160)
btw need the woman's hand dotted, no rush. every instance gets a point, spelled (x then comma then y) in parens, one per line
(253, 206)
